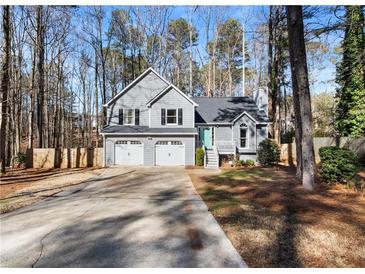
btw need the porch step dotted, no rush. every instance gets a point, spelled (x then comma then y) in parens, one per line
(212, 159)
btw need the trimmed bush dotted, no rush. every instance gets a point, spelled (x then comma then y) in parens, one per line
(199, 156)
(268, 153)
(250, 162)
(337, 164)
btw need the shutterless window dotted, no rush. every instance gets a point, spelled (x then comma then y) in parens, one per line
(128, 116)
(171, 116)
(162, 143)
(243, 137)
(176, 143)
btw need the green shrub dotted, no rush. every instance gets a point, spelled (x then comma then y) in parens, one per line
(250, 162)
(268, 153)
(199, 156)
(287, 137)
(242, 162)
(20, 159)
(337, 164)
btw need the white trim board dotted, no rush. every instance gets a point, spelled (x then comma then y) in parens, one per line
(165, 90)
(243, 113)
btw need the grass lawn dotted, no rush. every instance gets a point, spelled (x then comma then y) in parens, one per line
(273, 222)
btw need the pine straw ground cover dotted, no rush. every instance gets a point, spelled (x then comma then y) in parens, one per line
(273, 222)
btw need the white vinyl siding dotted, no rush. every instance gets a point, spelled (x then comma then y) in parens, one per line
(137, 97)
(172, 100)
(250, 133)
(223, 133)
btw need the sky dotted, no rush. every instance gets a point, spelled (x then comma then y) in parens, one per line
(250, 16)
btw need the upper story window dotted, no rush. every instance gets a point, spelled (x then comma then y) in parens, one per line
(129, 116)
(171, 116)
(243, 136)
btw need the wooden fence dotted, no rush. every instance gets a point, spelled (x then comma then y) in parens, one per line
(64, 158)
(288, 152)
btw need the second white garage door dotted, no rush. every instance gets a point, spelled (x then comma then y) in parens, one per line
(129, 153)
(170, 153)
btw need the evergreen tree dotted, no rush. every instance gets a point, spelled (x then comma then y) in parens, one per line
(350, 120)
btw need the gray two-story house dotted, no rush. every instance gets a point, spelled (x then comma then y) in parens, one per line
(151, 122)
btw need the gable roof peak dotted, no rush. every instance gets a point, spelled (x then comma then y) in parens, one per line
(170, 86)
(131, 84)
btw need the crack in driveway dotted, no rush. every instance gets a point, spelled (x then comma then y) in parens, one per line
(56, 229)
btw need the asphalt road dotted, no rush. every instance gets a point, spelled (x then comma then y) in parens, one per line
(127, 217)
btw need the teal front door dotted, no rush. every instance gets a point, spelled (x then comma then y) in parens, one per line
(206, 137)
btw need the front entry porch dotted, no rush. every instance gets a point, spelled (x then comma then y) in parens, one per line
(212, 148)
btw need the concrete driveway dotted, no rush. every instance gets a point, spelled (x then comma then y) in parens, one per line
(127, 217)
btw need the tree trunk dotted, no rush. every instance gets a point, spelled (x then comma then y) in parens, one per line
(96, 99)
(301, 92)
(278, 68)
(270, 54)
(230, 85)
(19, 128)
(32, 102)
(190, 55)
(103, 97)
(5, 83)
(40, 66)
(132, 61)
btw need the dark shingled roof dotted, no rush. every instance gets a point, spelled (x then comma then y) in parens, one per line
(226, 109)
(120, 129)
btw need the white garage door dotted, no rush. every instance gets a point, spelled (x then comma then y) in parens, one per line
(129, 153)
(170, 153)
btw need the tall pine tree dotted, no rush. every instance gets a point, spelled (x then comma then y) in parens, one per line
(350, 120)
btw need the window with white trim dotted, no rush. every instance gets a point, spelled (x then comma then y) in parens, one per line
(176, 143)
(128, 116)
(171, 116)
(243, 136)
(162, 143)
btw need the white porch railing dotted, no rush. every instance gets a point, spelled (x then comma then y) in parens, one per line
(226, 147)
(205, 156)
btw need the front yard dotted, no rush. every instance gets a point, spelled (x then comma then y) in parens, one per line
(22, 187)
(273, 222)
